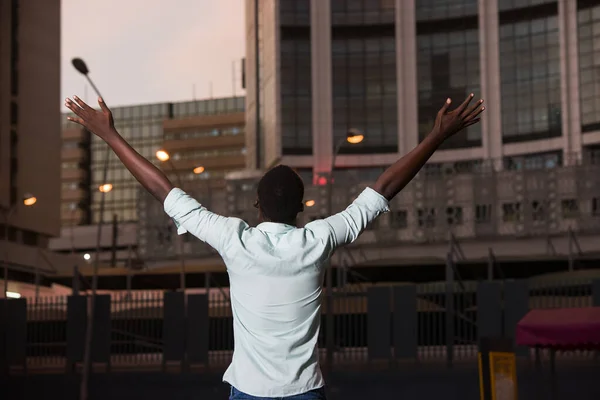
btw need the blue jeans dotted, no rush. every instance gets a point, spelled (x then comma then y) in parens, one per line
(317, 394)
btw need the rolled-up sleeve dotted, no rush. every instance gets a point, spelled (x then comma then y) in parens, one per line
(345, 227)
(190, 216)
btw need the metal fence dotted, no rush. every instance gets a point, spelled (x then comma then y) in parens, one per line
(436, 322)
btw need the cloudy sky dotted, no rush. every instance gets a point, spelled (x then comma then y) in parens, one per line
(146, 51)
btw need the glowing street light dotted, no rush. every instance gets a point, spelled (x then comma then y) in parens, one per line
(29, 199)
(354, 136)
(198, 170)
(162, 155)
(13, 295)
(309, 203)
(87, 256)
(105, 188)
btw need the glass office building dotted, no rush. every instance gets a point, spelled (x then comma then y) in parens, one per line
(319, 68)
(147, 128)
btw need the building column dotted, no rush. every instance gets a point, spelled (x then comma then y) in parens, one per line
(322, 97)
(489, 61)
(250, 66)
(406, 76)
(569, 81)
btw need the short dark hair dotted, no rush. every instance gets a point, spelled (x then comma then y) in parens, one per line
(280, 194)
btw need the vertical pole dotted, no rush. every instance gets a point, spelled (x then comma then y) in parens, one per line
(7, 214)
(329, 322)
(490, 266)
(449, 310)
(571, 259)
(75, 288)
(257, 85)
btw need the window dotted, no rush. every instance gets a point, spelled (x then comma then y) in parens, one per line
(534, 161)
(454, 216)
(398, 219)
(530, 75)
(426, 217)
(447, 62)
(483, 213)
(569, 208)
(296, 110)
(539, 209)
(589, 61)
(364, 88)
(511, 212)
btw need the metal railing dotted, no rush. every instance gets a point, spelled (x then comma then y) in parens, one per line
(136, 325)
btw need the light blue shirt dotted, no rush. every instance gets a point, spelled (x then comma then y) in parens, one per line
(276, 277)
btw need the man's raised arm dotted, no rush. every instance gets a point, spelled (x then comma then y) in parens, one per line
(447, 123)
(102, 125)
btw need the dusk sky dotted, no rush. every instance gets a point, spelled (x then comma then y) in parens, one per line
(147, 51)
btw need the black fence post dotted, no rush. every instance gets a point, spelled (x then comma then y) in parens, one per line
(379, 323)
(450, 311)
(489, 310)
(13, 330)
(174, 328)
(198, 329)
(76, 325)
(102, 331)
(596, 293)
(405, 322)
(516, 306)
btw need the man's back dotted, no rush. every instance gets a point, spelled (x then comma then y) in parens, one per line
(276, 276)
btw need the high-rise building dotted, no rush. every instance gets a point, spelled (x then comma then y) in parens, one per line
(316, 69)
(203, 139)
(29, 130)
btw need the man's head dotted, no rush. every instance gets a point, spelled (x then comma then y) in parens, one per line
(280, 195)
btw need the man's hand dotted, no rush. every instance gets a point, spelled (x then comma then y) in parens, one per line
(100, 123)
(447, 123)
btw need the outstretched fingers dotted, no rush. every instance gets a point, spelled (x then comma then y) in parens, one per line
(472, 122)
(445, 107)
(71, 105)
(103, 105)
(465, 104)
(474, 113)
(82, 104)
(76, 120)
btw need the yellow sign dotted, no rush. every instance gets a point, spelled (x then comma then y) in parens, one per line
(503, 376)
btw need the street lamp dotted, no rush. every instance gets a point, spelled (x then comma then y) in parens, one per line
(105, 188)
(198, 170)
(353, 136)
(82, 68)
(7, 212)
(309, 203)
(164, 156)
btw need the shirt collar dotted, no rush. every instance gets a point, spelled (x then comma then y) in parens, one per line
(274, 227)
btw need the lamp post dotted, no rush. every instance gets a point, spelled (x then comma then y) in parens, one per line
(7, 212)
(82, 68)
(353, 136)
(164, 156)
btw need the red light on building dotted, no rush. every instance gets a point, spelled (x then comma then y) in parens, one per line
(322, 181)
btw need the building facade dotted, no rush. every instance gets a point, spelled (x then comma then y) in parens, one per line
(386, 67)
(204, 139)
(29, 133)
